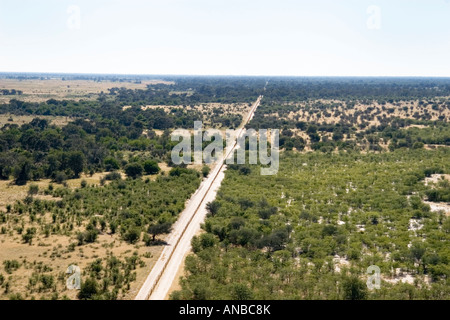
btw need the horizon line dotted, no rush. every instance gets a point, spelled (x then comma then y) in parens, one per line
(219, 75)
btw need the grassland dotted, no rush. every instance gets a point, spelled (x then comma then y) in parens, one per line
(43, 90)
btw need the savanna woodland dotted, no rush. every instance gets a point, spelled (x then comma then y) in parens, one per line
(364, 180)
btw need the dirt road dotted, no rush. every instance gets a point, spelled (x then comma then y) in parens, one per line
(164, 271)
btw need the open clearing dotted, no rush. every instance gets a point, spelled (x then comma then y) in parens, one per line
(21, 120)
(43, 90)
(52, 252)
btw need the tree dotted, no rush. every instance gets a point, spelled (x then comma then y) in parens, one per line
(23, 173)
(241, 292)
(245, 170)
(213, 207)
(111, 164)
(29, 235)
(160, 228)
(132, 235)
(76, 162)
(89, 289)
(354, 289)
(205, 171)
(60, 177)
(134, 170)
(151, 167)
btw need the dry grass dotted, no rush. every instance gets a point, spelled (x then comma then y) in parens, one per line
(52, 251)
(43, 90)
(20, 120)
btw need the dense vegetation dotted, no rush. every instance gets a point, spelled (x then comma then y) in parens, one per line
(354, 195)
(349, 88)
(128, 207)
(311, 231)
(38, 150)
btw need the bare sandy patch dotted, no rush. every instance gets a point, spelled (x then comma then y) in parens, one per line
(42, 90)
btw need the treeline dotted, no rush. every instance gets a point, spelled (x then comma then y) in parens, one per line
(39, 150)
(11, 92)
(193, 90)
(186, 91)
(380, 89)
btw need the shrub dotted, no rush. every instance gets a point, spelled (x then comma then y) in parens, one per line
(113, 176)
(151, 167)
(132, 235)
(89, 289)
(134, 170)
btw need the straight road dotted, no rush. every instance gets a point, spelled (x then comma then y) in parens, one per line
(164, 271)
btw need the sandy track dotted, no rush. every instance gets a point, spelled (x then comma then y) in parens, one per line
(165, 269)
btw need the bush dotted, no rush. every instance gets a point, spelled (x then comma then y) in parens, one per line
(205, 171)
(354, 289)
(29, 235)
(33, 189)
(134, 170)
(245, 171)
(113, 176)
(111, 164)
(132, 235)
(89, 289)
(60, 177)
(151, 167)
(89, 236)
(178, 171)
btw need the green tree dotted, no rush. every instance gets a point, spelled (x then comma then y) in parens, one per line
(29, 235)
(354, 289)
(89, 289)
(213, 207)
(134, 170)
(76, 162)
(23, 173)
(241, 292)
(151, 167)
(160, 228)
(132, 235)
(205, 171)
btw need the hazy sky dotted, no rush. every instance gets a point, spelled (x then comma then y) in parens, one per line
(237, 37)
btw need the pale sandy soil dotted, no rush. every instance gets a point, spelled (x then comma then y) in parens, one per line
(52, 251)
(10, 193)
(438, 206)
(43, 90)
(435, 178)
(20, 120)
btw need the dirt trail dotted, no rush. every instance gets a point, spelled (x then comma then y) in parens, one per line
(165, 270)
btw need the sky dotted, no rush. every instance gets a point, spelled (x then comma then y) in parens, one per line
(227, 37)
